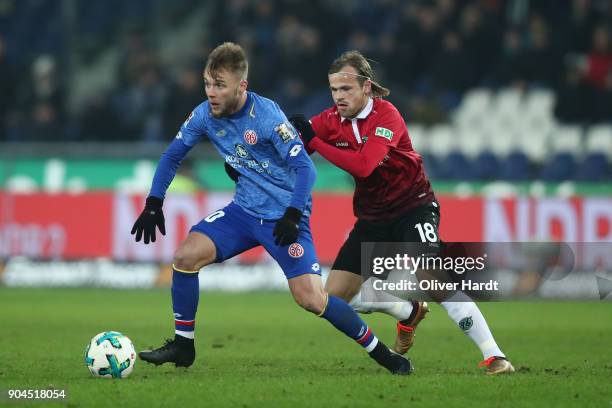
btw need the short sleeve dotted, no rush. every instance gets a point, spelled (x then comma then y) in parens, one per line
(284, 137)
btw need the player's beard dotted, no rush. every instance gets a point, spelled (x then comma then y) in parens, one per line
(351, 110)
(230, 105)
(347, 112)
(344, 112)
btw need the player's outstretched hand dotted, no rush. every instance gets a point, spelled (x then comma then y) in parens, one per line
(152, 216)
(302, 125)
(232, 172)
(286, 229)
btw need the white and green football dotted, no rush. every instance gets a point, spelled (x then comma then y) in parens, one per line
(110, 355)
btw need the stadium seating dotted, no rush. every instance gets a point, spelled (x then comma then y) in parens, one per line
(486, 166)
(493, 129)
(594, 167)
(515, 167)
(510, 134)
(567, 139)
(599, 139)
(560, 167)
(456, 167)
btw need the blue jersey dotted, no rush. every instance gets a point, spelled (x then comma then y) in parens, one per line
(261, 144)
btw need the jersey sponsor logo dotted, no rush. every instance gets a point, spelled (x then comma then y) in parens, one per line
(179, 135)
(250, 137)
(342, 144)
(285, 132)
(241, 151)
(253, 164)
(384, 132)
(295, 250)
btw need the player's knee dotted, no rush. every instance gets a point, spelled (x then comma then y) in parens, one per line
(312, 300)
(186, 259)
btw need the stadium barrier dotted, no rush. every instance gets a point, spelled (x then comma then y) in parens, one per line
(97, 224)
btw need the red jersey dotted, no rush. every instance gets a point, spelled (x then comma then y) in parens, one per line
(376, 150)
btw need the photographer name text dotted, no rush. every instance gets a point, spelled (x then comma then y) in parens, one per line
(429, 285)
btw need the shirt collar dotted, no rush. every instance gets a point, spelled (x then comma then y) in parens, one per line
(364, 112)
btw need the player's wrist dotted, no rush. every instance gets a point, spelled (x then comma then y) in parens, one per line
(293, 214)
(154, 202)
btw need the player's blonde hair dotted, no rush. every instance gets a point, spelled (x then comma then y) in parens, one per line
(228, 56)
(356, 60)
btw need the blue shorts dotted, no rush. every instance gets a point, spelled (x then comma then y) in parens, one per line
(234, 231)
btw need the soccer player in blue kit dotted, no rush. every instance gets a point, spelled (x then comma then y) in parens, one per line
(271, 208)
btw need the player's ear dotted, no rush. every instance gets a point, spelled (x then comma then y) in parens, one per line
(243, 85)
(367, 87)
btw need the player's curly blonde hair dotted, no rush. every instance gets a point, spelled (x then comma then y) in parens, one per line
(228, 56)
(356, 60)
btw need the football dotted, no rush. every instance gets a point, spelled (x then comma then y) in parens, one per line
(110, 355)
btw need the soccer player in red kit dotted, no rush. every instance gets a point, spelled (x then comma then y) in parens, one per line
(366, 136)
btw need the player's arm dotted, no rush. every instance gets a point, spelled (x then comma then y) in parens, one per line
(362, 163)
(306, 176)
(167, 167)
(359, 164)
(291, 149)
(286, 229)
(152, 216)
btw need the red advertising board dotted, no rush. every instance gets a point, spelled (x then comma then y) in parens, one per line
(92, 225)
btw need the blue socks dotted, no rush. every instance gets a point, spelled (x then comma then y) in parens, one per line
(345, 319)
(185, 297)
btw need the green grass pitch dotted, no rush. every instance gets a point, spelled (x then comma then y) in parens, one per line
(260, 350)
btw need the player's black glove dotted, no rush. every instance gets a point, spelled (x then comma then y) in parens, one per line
(286, 229)
(302, 125)
(232, 172)
(152, 216)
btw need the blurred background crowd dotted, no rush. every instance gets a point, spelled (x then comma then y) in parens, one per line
(131, 70)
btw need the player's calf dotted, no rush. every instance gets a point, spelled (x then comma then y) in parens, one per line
(194, 252)
(308, 292)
